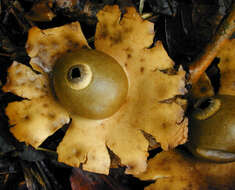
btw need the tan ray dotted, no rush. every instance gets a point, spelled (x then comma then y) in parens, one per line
(180, 171)
(227, 68)
(46, 46)
(39, 117)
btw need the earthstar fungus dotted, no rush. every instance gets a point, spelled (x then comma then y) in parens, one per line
(216, 112)
(150, 104)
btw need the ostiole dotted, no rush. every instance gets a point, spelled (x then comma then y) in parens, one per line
(208, 111)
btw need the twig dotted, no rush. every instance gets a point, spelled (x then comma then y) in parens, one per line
(225, 31)
(5, 55)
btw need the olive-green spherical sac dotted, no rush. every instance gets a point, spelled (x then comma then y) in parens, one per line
(90, 83)
(213, 138)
